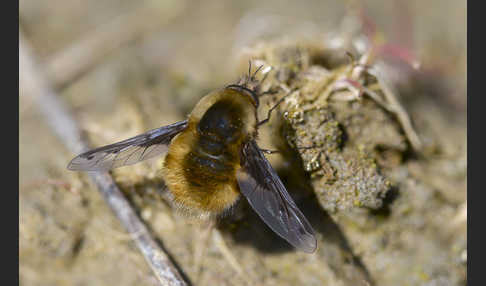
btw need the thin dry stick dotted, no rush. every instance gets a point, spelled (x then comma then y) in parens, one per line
(391, 103)
(395, 108)
(66, 66)
(32, 82)
(401, 113)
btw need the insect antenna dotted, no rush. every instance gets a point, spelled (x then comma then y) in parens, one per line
(254, 74)
(265, 75)
(249, 73)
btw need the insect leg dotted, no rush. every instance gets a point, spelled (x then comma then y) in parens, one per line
(269, 91)
(275, 106)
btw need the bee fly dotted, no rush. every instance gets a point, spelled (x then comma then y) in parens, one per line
(212, 158)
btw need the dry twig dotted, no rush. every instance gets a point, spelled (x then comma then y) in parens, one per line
(83, 55)
(34, 84)
(395, 107)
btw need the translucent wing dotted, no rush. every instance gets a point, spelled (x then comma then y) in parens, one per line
(129, 151)
(263, 189)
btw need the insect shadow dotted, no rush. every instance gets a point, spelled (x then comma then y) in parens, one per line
(249, 229)
(244, 226)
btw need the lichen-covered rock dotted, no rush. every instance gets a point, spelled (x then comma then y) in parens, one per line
(348, 137)
(344, 175)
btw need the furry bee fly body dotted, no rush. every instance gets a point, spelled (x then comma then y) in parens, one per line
(212, 160)
(201, 164)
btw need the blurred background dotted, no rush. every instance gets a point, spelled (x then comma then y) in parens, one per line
(124, 67)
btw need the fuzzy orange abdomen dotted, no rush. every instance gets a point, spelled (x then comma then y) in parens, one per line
(202, 161)
(200, 183)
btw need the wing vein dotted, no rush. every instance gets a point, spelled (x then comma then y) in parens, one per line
(264, 190)
(121, 153)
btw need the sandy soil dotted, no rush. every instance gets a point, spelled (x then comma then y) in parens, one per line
(384, 212)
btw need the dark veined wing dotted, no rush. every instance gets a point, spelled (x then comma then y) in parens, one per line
(129, 151)
(262, 187)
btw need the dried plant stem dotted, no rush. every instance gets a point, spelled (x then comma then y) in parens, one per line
(83, 55)
(227, 254)
(394, 106)
(34, 84)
